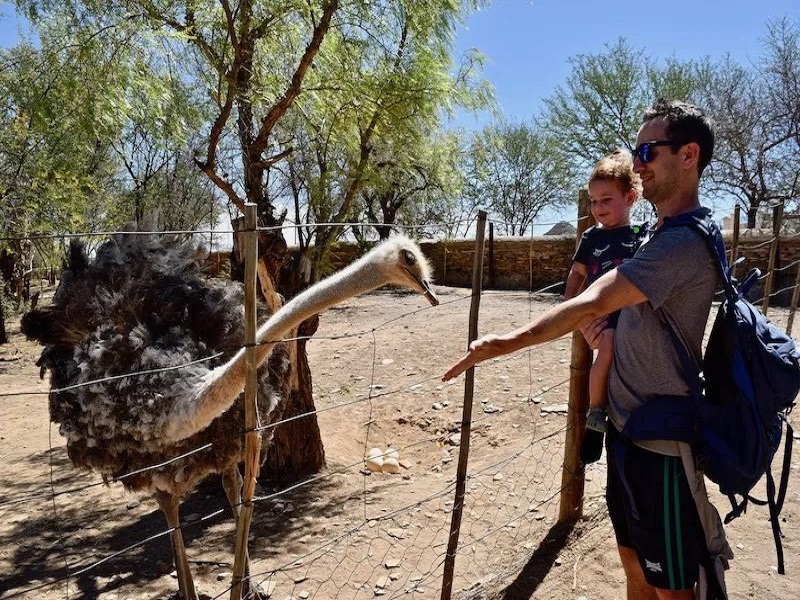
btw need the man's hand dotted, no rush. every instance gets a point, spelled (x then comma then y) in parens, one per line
(479, 350)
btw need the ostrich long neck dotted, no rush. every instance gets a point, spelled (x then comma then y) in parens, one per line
(222, 386)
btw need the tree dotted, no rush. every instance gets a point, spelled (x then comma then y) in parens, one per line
(403, 179)
(253, 62)
(755, 157)
(53, 151)
(781, 69)
(224, 50)
(601, 106)
(370, 126)
(513, 172)
(154, 150)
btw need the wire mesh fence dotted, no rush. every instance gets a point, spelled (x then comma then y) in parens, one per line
(347, 532)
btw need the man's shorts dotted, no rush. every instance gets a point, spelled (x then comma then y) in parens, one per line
(667, 536)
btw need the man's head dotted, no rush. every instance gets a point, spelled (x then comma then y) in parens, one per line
(674, 145)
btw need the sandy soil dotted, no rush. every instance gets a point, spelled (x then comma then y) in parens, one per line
(350, 533)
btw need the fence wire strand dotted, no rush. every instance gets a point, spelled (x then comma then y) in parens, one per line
(349, 532)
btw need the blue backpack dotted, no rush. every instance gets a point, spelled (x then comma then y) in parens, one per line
(735, 417)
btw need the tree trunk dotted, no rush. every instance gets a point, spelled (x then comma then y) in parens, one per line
(752, 212)
(3, 336)
(296, 449)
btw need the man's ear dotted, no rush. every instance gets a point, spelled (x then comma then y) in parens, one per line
(690, 155)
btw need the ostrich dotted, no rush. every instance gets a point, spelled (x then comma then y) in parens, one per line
(141, 306)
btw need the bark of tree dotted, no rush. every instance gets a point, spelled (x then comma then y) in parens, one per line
(3, 336)
(298, 448)
(752, 211)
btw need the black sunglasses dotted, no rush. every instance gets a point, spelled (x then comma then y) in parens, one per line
(644, 151)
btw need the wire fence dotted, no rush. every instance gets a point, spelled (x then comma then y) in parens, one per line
(349, 531)
(378, 533)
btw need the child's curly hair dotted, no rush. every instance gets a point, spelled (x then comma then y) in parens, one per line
(617, 166)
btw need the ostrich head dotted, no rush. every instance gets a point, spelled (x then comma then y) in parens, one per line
(401, 262)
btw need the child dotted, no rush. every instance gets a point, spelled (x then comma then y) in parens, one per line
(613, 188)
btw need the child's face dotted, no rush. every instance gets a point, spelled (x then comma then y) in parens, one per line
(610, 206)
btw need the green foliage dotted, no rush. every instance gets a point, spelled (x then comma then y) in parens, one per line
(514, 173)
(364, 132)
(601, 105)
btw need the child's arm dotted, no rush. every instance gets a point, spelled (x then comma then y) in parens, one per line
(575, 280)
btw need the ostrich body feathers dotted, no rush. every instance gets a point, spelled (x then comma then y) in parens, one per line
(142, 305)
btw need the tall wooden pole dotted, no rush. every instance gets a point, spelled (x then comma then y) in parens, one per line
(737, 213)
(252, 435)
(466, 415)
(572, 474)
(793, 305)
(777, 222)
(492, 270)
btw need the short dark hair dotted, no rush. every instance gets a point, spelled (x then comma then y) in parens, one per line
(685, 123)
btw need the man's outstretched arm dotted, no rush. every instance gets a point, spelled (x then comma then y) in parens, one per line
(609, 293)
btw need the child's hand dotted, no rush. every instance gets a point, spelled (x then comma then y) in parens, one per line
(593, 332)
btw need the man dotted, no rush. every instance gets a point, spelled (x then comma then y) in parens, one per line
(653, 492)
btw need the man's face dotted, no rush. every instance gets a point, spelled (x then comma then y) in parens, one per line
(660, 174)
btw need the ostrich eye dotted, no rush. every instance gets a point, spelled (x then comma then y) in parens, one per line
(409, 257)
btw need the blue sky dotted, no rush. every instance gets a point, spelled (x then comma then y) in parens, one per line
(528, 42)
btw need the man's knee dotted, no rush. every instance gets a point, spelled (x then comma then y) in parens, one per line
(637, 586)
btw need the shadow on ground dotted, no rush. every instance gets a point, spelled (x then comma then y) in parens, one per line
(539, 564)
(90, 544)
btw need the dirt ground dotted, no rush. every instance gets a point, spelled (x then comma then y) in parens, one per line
(349, 533)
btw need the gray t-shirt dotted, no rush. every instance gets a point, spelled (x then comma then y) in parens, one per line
(677, 273)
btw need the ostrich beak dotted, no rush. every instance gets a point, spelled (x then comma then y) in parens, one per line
(429, 294)
(423, 286)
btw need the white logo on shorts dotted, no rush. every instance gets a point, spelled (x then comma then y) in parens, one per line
(653, 567)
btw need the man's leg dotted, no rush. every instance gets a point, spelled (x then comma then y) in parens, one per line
(664, 530)
(638, 588)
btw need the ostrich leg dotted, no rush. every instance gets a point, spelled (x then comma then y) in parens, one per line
(169, 506)
(232, 484)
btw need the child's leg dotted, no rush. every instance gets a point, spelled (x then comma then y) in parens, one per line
(598, 375)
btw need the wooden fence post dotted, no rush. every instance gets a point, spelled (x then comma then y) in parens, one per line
(492, 269)
(777, 223)
(572, 473)
(252, 435)
(466, 415)
(793, 305)
(737, 213)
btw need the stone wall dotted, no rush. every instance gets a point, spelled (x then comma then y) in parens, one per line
(539, 262)
(509, 264)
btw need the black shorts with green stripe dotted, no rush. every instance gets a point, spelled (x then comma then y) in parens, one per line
(655, 514)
